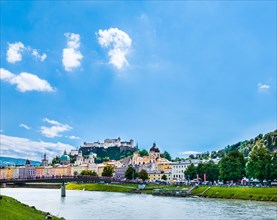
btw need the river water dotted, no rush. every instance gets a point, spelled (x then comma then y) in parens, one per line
(105, 205)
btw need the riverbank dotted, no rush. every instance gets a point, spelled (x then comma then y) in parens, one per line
(245, 193)
(11, 209)
(124, 188)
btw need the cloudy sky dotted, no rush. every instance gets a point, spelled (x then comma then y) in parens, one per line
(191, 76)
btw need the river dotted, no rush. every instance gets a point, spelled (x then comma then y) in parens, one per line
(106, 205)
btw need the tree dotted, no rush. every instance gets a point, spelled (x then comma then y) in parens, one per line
(212, 171)
(190, 171)
(131, 173)
(201, 169)
(213, 154)
(98, 160)
(106, 159)
(108, 171)
(232, 166)
(164, 177)
(72, 158)
(221, 153)
(56, 160)
(88, 172)
(143, 153)
(94, 173)
(259, 163)
(273, 174)
(204, 155)
(178, 159)
(166, 155)
(143, 175)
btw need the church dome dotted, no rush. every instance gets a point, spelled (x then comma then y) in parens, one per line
(65, 157)
(155, 148)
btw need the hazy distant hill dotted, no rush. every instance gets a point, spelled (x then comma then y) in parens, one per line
(9, 161)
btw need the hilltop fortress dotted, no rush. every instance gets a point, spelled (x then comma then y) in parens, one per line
(112, 148)
(111, 143)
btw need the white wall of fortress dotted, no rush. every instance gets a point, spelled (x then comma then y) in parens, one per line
(111, 143)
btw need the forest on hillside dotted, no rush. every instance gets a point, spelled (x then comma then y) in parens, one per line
(268, 140)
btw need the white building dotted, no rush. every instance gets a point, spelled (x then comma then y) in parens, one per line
(27, 171)
(93, 167)
(16, 172)
(111, 143)
(120, 172)
(74, 152)
(81, 160)
(76, 170)
(178, 169)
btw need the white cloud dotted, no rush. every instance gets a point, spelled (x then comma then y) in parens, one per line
(26, 81)
(24, 126)
(15, 50)
(118, 43)
(71, 55)
(52, 122)
(26, 148)
(38, 56)
(188, 152)
(73, 137)
(55, 130)
(263, 87)
(29, 82)
(6, 75)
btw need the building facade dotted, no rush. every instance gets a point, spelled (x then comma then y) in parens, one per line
(178, 169)
(158, 176)
(27, 171)
(111, 143)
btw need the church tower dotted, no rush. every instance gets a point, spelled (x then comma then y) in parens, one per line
(79, 159)
(44, 161)
(154, 153)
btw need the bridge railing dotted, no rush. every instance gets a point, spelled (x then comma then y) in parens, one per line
(67, 178)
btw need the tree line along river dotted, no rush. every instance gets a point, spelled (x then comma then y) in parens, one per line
(108, 205)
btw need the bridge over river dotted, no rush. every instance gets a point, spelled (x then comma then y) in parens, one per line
(63, 180)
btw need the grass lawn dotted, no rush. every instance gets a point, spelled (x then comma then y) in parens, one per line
(247, 193)
(11, 209)
(115, 187)
(98, 187)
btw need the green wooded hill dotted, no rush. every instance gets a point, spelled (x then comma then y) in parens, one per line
(110, 153)
(268, 140)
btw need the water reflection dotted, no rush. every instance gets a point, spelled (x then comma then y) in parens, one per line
(104, 205)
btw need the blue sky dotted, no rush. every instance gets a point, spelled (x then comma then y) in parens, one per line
(191, 76)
